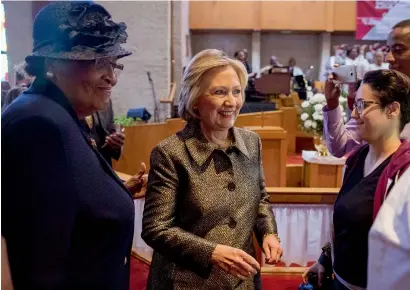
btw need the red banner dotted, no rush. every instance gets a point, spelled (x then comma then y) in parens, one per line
(375, 18)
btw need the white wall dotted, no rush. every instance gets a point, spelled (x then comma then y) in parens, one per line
(186, 49)
(19, 21)
(149, 32)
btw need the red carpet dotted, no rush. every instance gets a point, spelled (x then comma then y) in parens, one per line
(275, 282)
(139, 275)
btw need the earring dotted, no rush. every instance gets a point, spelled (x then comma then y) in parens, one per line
(49, 75)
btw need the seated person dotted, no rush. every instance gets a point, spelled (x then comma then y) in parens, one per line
(340, 138)
(381, 109)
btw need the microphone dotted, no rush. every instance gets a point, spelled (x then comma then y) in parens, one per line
(156, 117)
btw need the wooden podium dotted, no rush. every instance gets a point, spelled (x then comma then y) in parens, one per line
(320, 175)
(274, 154)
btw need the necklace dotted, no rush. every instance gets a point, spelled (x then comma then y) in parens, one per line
(227, 143)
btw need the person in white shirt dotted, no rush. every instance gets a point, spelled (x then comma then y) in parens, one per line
(353, 57)
(378, 61)
(389, 241)
(296, 71)
(338, 58)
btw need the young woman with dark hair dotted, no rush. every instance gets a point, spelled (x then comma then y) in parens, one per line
(381, 109)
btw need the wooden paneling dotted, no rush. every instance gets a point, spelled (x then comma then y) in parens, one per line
(300, 15)
(139, 142)
(321, 175)
(274, 15)
(344, 16)
(223, 15)
(274, 143)
(294, 175)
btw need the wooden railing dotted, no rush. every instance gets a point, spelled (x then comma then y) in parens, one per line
(307, 195)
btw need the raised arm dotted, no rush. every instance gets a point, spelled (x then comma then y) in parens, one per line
(340, 138)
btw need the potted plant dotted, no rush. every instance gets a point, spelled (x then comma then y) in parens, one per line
(124, 121)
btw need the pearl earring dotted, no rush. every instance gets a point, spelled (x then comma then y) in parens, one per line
(49, 75)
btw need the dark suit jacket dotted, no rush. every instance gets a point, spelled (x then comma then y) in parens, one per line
(103, 126)
(198, 197)
(66, 217)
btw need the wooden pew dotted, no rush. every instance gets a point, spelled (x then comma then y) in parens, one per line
(274, 155)
(302, 195)
(139, 142)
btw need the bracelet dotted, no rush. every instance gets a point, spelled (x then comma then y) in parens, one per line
(276, 235)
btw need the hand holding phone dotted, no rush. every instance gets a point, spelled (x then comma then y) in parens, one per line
(345, 74)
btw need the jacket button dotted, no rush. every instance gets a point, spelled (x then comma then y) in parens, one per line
(125, 261)
(232, 223)
(231, 186)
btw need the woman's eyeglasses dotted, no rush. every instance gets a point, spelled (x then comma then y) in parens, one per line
(360, 105)
(103, 63)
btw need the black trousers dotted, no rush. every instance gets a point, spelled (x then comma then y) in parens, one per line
(257, 280)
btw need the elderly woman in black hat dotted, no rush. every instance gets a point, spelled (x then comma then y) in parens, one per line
(67, 218)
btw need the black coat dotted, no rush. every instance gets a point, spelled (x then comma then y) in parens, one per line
(67, 218)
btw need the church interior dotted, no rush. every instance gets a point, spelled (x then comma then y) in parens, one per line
(286, 47)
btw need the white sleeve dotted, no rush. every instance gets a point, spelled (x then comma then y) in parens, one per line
(389, 241)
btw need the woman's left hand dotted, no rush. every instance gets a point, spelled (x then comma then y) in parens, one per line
(271, 248)
(137, 184)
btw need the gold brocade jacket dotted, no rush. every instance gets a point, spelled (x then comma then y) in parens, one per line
(197, 197)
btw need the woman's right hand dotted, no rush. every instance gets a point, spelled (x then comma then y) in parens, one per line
(316, 268)
(332, 93)
(235, 262)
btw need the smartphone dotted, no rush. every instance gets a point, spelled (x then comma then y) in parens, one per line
(345, 74)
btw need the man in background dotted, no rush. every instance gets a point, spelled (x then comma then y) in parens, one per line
(242, 56)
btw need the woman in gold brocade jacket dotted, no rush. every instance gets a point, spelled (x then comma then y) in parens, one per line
(206, 194)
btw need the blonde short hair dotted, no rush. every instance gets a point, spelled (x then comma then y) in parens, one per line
(191, 85)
